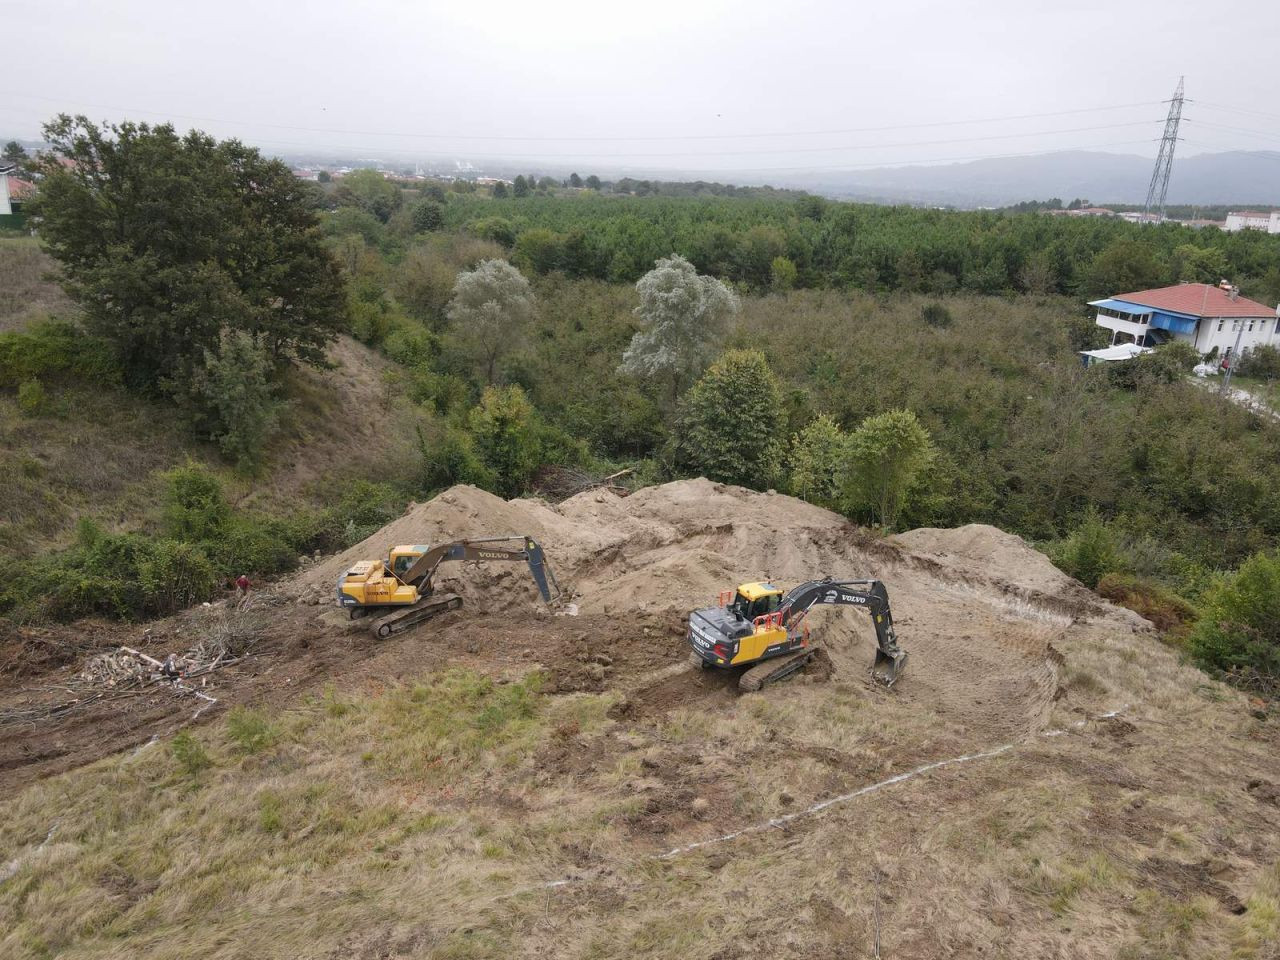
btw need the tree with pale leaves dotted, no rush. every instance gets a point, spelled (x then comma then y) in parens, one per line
(491, 309)
(683, 316)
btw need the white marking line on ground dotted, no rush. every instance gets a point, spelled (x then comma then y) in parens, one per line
(818, 807)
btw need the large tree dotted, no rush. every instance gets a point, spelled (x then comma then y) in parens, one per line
(888, 456)
(683, 316)
(169, 241)
(730, 423)
(371, 192)
(491, 309)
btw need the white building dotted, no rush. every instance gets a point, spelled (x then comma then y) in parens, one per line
(1204, 315)
(1253, 220)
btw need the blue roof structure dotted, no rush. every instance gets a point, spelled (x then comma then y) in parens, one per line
(1160, 319)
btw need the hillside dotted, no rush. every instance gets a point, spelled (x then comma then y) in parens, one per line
(61, 463)
(1046, 780)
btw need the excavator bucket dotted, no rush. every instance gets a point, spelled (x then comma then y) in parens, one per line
(888, 667)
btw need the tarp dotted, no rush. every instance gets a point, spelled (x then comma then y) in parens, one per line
(1172, 321)
(1122, 351)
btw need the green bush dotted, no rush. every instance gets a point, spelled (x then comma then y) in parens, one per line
(195, 507)
(496, 229)
(190, 754)
(449, 456)
(54, 350)
(935, 315)
(1090, 552)
(127, 576)
(234, 397)
(1262, 362)
(889, 456)
(504, 431)
(32, 400)
(426, 215)
(1241, 623)
(251, 730)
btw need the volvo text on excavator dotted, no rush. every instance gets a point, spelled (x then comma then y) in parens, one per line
(401, 591)
(760, 626)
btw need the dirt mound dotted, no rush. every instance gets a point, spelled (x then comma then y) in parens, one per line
(978, 609)
(663, 548)
(991, 552)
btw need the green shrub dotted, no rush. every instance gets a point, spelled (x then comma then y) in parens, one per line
(504, 431)
(195, 508)
(190, 754)
(449, 456)
(1089, 553)
(234, 397)
(1241, 623)
(32, 400)
(52, 350)
(889, 456)
(426, 215)
(818, 459)
(127, 576)
(935, 315)
(495, 229)
(1262, 362)
(251, 730)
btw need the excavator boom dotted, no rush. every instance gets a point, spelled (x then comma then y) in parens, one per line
(423, 569)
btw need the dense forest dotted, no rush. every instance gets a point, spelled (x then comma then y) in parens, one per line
(905, 366)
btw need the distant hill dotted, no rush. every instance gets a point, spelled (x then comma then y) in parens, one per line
(1241, 177)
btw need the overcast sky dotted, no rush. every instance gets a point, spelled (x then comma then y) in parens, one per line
(695, 85)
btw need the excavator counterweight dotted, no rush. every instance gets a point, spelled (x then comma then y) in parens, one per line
(401, 590)
(765, 629)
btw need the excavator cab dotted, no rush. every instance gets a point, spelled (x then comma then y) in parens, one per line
(754, 600)
(402, 558)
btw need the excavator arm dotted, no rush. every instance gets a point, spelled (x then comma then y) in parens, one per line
(422, 570)
(871, 594)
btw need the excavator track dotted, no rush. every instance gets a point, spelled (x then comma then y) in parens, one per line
(775, 669)
(420, 612)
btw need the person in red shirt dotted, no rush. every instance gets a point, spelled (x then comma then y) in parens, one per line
(242, 586)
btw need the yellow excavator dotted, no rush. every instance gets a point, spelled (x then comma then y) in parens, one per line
(401, 591)
(764, 628)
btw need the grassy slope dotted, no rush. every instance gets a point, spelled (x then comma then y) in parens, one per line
(25, 290)
(96, 452)
(437, 818)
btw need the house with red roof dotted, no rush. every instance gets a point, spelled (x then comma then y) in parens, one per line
(1202, 314)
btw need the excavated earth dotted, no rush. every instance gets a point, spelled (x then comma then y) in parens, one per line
(1006, 653)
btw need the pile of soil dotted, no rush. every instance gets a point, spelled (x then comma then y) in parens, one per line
(977, 610)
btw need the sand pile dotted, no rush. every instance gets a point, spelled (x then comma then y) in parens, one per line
(990, 551)
(672, 548)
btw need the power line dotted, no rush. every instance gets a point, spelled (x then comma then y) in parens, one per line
(575, 139)
(614, 155)
(906, 163)
(1253, 113)
(1220, 126)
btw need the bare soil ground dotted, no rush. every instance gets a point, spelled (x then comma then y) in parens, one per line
(1064, 786)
